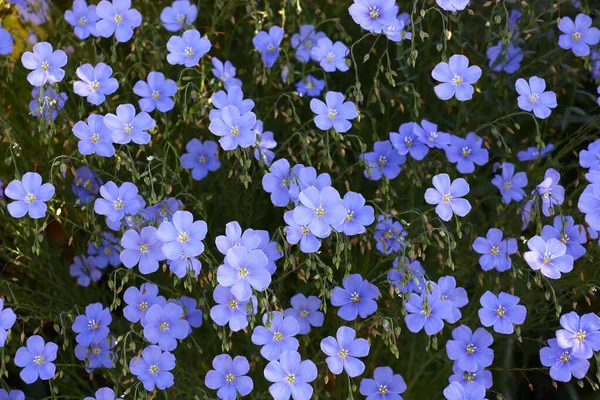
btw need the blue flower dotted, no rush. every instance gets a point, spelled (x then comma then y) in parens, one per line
(562, 362)
(83, 19)
(29, 195)
(127, 126)
(456, 296)
(187, 49)
(304, 41)
(405, 276)
(117, 201)
(470, 350)
(182, 236)
(276, 336)
(191, 313)
(533, 97)
(230, 310)
(384, 160)
(229, 377)
(482, 377)
(153, 367)
(234, 237)
(85, 270)
(117, 18)
(505, 57)
(534, 153)
(427, 310)
(265, 142)
(105, 252)
(358, 216)
(551, 193)
(452, 5)
(389, 234)
(310, 86)
(156, 93)
(306, 312)
(407, 141)
(94, 137)
(45, 64)
(565, 230)
(335, 112)
(271, 249)
(47, 103)
(510, 184)
(579, 35)
(7, 320)
(501, 312)
(140, 300)
(548, 257)
(267, 44)
(385, 386)
(278, 182)
(201, 157)
(36, 359)
(320, 210)
(178, 15)
(234, 97)
(309, 243)
(343, 352)
(12, 395)
(243, 271)
(330, 56)
(495, 251)
(356, 298)
(398, 31)
(467, 152)
(225, 72)
(447, 197)
(234, 128)
(95, 83)
(93, 326)
(456, 76)
(470, 391)
(589, 204)
(86, 185)
(6, 42)
(307, 177)
(104, 394)
(428, 134)
(291, 376)
(579, 334)
(164, 324)
(590, 158)
(373, 15)
(142, 248)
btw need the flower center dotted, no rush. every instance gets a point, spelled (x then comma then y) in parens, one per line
(128, 128)
(332, 113)
(408, 141)
(383, 389)
(343, 353)
(143, 306)
(235, 130)
(189, 51)
(432, 136)
(144, 248)
(163, 326)
(576, 36)
(96, 351)
(183, 237)
(457, 80)
(271, 48)
(310, 85)
(118, 18)
(82, 20)
(564, 239)
(581, 335)
(277, 336)
(290, 378)
(426, 311)
(349, 215)
(534, 97)
(30, 198)
(180, 18)
(471, 348)
(446, 198)
(233, 304)
(45, 66)
(95, 138)
(155, 94)
(320, 211)
(330, 56)
(304, 313)
(495, 250)
(308, 44)
(118, 204)
(243, 272)
(355, 297)
(469, 376)
(465, 151)
(500, 311)
(565, 357)
(547, 258)
(382, 161)
(154, 369)
(373, 12)
(230, 377)
(39, 360)
(93, 324)
(507, 185)
(305, 230)
(225, 76)
(95, 85)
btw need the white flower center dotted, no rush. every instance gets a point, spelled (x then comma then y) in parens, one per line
(457, 80)
(118, 18)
